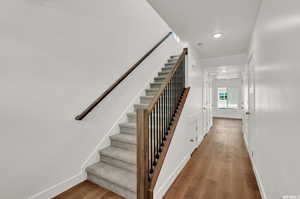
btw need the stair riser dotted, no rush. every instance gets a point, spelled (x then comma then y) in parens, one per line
(136, 107)
(151, 93)
(131, 118)
(159, 81)
(166, 69)
(170, 65)
(123, 145)
(146, 100)
(118, 163)
(112, 187)
(152, 85)
(173, 60)
(130, 131)
(163, 74)
(160, 78)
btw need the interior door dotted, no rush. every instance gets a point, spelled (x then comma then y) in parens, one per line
(205, 107)
(249, 123)
(251, 101)
(245, 94)
(209, 104)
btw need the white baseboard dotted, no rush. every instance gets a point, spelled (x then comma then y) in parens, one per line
(165, 187)
(60, 187)
(256, 173)
(259, 181)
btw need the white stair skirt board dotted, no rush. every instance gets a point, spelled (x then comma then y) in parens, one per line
(116, 170)
(162, 190)
(256, 173)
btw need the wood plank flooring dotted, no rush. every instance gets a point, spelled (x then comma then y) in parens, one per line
(219, 169)
(88, 190)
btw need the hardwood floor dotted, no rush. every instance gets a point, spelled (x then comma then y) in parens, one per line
(88, 190)
(219, 169)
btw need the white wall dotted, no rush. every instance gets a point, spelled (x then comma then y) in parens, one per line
(226, 83)
(189, 127)
(56, 58)
(275, 136)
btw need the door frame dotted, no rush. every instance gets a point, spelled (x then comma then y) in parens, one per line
(249, 100)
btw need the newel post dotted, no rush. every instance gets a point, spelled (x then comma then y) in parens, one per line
(142, 153)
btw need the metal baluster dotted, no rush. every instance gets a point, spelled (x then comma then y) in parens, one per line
(174, 99)
(168, 107)
(154, 135)
(184, 71)
(151, 142)
(165, 113)
(160, 124)
(157, 130)
(162, 121)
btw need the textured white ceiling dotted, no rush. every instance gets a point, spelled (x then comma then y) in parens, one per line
(196, 20)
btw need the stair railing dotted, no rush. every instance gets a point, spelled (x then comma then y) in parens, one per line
(82, 115)
(156, 125)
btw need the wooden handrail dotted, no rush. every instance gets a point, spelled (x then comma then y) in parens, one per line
(116, 83)
(167, 80)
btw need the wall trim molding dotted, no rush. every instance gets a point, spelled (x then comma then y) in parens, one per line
(255, 170)
(167, 184)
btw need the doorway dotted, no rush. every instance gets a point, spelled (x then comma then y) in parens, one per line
(249, 101)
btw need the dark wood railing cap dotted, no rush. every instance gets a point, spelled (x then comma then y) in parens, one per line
(116, 83)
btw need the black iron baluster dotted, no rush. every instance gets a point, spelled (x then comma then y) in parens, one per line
(184, 71)
(151, 142)
(157, 130)
(154, 135)
(160, 124)
(165, 108)
(168, 106)
(174, 95)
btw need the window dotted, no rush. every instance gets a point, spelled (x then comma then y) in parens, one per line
(228, 98)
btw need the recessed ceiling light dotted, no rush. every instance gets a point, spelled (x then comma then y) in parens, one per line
(218, 35)
(199, 43)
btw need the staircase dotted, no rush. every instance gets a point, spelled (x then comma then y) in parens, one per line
(117, 169)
